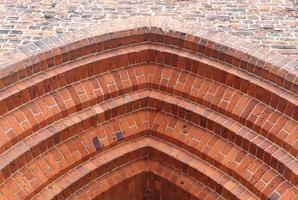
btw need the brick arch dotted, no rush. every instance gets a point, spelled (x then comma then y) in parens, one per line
(77, 143)
(160, 176)
(148, 179)
(229, 101)
(245, 96)
(149, 151)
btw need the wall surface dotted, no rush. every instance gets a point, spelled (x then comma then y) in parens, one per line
(147, 186)
(147, 107)
(270, 23)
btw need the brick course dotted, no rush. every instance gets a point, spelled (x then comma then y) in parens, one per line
(220, 111)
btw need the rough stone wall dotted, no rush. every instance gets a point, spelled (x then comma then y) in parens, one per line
(270, 23)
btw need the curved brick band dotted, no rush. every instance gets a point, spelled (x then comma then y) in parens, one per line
(39, 84)
(164, 181)
(260, 61)
(149, 149)
(232, 104)
(234, 161)
(222, 126)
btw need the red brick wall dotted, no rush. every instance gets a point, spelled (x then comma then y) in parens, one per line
(148, 186)
(207, 114)
(132, 188)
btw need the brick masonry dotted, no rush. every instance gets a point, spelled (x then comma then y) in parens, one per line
(268, 23)
(219, 112)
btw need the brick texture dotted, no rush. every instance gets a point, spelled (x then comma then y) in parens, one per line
(271, 24)
(150, 109)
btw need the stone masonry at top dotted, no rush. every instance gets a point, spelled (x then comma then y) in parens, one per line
(268, 23)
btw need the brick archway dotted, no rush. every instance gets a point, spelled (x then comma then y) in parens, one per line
(231, 104)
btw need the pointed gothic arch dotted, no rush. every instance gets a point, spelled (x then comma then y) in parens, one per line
(233, 104)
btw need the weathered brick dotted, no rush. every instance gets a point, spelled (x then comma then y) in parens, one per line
(232, 118)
